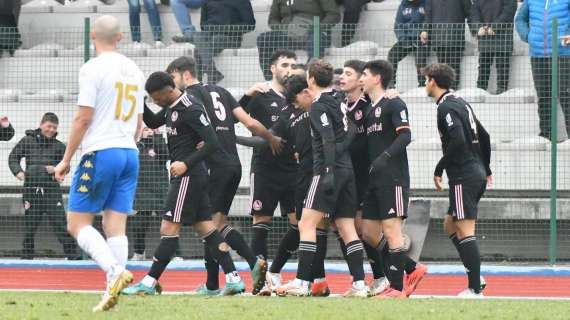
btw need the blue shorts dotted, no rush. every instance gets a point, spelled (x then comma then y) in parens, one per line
(105, 180)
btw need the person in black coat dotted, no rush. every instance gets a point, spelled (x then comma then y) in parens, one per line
(6, 129)
(42, 193)
(445, 31)
(151, 187)
(223, 24)
(408, 25)
(492, 24)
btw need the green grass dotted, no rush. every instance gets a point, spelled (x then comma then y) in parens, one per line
(23, 305)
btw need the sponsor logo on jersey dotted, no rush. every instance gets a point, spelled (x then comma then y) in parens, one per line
(358, 115)
(257, 205)
(377, 127)
(393, 268)
(204, 120)
(171, 131)
(377, 112)
(449, 120)
(324, 120)
(174, 116)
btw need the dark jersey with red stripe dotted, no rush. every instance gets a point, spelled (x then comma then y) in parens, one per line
(382, 122)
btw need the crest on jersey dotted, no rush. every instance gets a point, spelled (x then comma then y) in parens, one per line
(358, 115)
(151, 153)
(377, 112)
(204, 120)
(449, 120)
(324, 120)
(404, 116)
(174, 116)
(27, 205)
(257, 205)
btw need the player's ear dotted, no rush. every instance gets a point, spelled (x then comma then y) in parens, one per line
(119, 36)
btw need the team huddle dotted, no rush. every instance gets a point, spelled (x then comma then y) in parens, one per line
(331, 159)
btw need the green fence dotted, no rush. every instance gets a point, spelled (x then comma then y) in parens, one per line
(524, 216)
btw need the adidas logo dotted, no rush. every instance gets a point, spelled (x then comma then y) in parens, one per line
(467, 270)
(274, 104)
(391, 211)
(393, 268)
(168, 214)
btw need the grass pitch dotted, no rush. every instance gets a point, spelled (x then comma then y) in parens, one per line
(36, 305)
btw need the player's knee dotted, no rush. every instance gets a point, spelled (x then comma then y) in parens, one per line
(307, 224)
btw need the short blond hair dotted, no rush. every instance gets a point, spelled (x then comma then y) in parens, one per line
(107, 29)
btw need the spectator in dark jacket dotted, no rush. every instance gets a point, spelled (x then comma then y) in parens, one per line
(291, 28)
(492, 24)
(223, 23)
(42, 193)
(6, 129)
(352, 10)
(151, 188)
(445, 31)
(408, 25)
(9, 34)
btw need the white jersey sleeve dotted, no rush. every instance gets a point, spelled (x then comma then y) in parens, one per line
(113, 86)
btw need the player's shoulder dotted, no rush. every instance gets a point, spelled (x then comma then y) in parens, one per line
(396, 104)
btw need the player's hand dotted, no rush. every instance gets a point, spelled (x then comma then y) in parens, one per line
(50, 169)
(392, 94)
(490, 31)
(424, 37)
(482, 31)
(327, 181)
(178, 168)
(380, 162)
(565, 40)
(61, 170)
(200, 145)
(21, 176)
(490, 181)
(276, 145)
(261, 87)
(438, 181)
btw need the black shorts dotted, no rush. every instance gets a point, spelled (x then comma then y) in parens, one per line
(187, 201)
(386, 202)
(267, 189)
(338, 204)
(464, 196)
(302, 187)
(361, 177)
(222, 188)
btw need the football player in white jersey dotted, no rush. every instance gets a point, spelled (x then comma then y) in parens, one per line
(105, 127)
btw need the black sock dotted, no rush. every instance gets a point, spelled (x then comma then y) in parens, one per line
(259, 240)
(382, 250)
(455, 241)
(409, 264)
(469, 254)
(162, 255)
(213, 241)
(318, 271)
(376, 262)
(212, 270)
(236, 241)
(354, 257)
(341, 243)
(396, 268)
(288, 245)
(307, 251)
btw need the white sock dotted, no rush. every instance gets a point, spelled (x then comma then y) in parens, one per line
(148, 281)
(233, 277)
(120, 248)
(92, 242)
